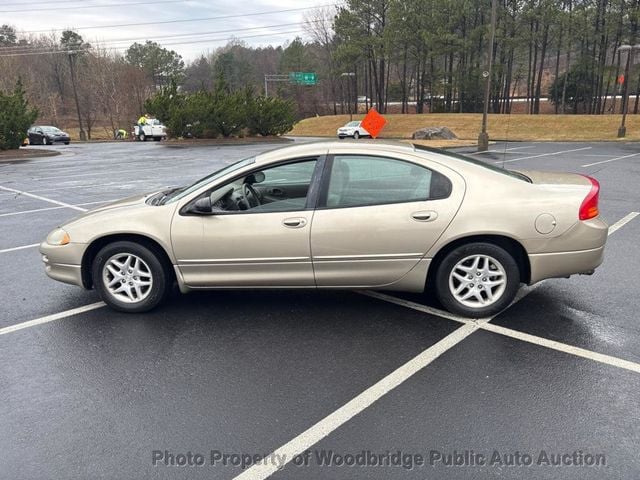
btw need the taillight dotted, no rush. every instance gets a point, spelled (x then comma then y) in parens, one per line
(589, 207)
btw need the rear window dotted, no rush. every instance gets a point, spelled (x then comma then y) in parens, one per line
(475, 161)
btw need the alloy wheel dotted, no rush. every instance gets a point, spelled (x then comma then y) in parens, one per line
(127, 278)
(477, 281)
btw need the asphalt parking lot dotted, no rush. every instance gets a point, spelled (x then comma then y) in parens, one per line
(86, 392)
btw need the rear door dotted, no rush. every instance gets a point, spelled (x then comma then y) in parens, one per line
(378, 216)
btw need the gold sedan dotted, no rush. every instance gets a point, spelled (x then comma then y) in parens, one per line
(340, 215)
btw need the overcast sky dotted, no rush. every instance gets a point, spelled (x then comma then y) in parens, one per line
(257, 30)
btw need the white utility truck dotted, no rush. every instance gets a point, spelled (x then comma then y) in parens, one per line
(152, 129)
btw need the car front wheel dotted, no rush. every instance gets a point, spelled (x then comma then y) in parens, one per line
(477, 280)
(130, 277)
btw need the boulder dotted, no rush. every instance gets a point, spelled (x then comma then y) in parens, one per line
(430, 133)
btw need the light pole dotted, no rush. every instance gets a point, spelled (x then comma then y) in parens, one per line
(349, 75)
(483, 138)
(622, 130)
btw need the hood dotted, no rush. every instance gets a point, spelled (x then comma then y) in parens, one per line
(135, 201)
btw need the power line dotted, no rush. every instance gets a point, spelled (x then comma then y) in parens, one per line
(221, 39)
(112, 42)
(221, 17)
(41, 2)
(155, 2)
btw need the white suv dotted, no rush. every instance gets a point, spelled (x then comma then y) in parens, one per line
(352, 129)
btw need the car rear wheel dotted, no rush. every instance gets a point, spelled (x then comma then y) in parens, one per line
(477, 280)
(143, 137)
(44, 140)
(356, 135)
(130, 277)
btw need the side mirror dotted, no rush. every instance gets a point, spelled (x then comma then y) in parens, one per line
(202, 205)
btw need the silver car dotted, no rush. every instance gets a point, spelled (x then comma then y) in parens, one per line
(339, 215)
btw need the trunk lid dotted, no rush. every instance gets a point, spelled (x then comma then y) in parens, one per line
(556, 178)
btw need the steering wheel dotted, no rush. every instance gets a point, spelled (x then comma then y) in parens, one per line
(251, 196)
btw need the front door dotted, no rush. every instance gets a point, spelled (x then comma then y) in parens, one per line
(377, 217)
(257, 233)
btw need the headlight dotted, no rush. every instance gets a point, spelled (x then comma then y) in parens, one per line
(58, 237)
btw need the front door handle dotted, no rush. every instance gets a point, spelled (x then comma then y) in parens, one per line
(424, 216)
(297, 222)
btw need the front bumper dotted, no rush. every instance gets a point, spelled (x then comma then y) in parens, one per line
(64, 262)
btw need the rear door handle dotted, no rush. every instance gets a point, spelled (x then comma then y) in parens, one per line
(424, 216)
(297, 222)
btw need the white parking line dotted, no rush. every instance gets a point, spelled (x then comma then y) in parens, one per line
(350, 409)
(13, 249)
(416, 306)
(50, 208)
(543, 155)
(502, 150)
(611, 160)
(622, 222)
(51, 318)
(44, 199)
(562, 347)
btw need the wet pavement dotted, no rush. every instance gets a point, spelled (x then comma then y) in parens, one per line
(95, 394)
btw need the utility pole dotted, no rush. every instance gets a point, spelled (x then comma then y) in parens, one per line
(622, 130)
(83, 135)
(483, 138)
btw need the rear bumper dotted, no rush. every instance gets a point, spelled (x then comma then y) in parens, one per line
(563, 264)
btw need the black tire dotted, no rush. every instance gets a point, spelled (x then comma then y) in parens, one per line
(44, 140)
(356, 135)
(161, 277)
(452, 304)
(66, 143)
(142, 137)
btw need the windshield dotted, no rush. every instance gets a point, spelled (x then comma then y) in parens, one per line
(51, 129)
(352, 124)
(182, 192)
(480, 163)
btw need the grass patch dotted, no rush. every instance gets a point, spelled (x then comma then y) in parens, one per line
(467, 125)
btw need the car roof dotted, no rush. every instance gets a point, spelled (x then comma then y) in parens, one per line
(322, 147)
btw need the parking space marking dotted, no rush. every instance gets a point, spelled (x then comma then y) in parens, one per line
(415, 306)
(610, 160)
(334, 420)
(503, 150)
(562, 347)
(51, 318)
(23, 247)
(44, 199)
(51, 208)
(549, 154)
(622, 222)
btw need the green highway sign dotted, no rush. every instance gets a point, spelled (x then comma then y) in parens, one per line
(303, 78)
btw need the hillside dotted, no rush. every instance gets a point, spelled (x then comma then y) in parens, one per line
(467, 126)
